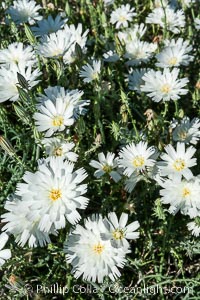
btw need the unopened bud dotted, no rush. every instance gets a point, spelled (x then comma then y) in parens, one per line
(197, 86)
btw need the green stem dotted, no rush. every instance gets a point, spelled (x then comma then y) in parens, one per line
(176, 108)
(165, 109)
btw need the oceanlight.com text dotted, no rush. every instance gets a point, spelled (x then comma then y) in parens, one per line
(56, 288)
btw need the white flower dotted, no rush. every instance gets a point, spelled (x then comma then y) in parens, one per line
(78, 37)
(174, 19)
(182, 195)
(122, 15)
(197, 23)
(117, 231)
(106, 164)
(164, 85)
(55, 190)
(187, 131)
(177, 162)
(69, 97)
(9, 80)
(22, 221)
(17, 53)
(23, 11)
(49, 25)
(174, 54)
(54, 116)
(108, 2)
(5, 253)
(194, 227)
(90, 255)
(136, 32)
(136, 157)
(131, 182)
(111, 56)
(58, 147)
(138, 51)
(55, 44)
(135, 79)
(90, 73)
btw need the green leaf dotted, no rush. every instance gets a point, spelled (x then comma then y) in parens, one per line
(29, 35)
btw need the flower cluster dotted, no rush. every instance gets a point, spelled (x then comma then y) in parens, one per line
(44, 202)
(99, 249)
(106, 94)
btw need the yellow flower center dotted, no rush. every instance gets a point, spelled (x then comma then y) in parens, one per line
(58, 151)
(139, 54)
(55, 194)
(138, 161)
(173, 61)
(118, 234)
(95, 75)
(179, 164)
(182, 135)
(122, 18)
(57, 52)
(98, 248)
(165, 88)
(58, 121)
(186, 192)
(107, 169)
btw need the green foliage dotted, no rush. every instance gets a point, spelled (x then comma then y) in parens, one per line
(165, 259)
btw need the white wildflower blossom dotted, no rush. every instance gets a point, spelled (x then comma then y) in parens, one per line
(9, 80)
(18, 53)
(136, 158)
(138, 51)
(55, 192)
(118, 232)
(182, 195)
(108, 2)
(4, 253)
(131, 182)
(91, 256)
(174, 54)
(135, 79)
(90, 73)
(194, 227)
(175, 20)
(22, 221)
(23, 11)
(69, 97)
(187, 131)
(54, 116)
(55, 44)
(111, 56)
(107, 165)
(49, 25)
(164, 85)
(177, 163)
(59, 147)
(78, 37)
(122, 15)
(136, 32)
